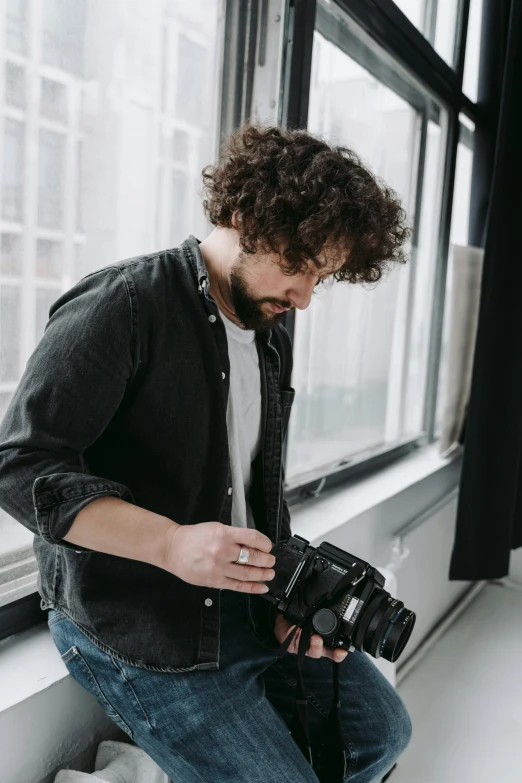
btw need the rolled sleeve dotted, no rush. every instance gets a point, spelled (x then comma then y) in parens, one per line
(58, 498)
(72, 386)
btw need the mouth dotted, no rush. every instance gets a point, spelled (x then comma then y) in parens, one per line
(277, 308)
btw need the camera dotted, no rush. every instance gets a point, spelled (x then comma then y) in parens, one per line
(343, 595)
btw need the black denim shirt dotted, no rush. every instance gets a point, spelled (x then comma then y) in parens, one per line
(126, 395)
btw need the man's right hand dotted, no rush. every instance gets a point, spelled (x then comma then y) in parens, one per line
(206, 554)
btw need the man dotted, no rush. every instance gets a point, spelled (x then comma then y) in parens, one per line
(143, 449)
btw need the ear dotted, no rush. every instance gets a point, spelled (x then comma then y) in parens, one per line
(236, 219)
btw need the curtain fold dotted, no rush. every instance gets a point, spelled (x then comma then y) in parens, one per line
(489, 515)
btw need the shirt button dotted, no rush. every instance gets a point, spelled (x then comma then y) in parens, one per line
(230, 490)
(223, 375)
(208, 601)
(212, 318)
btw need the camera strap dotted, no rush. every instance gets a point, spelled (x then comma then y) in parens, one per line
(330, 765)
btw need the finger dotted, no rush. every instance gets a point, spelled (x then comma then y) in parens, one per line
(249, 573)
(243, 587)
(316, 647)
(335, 655)
(251, 538)
(256, 557)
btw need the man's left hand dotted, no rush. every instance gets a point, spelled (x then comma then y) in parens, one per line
(317, 648)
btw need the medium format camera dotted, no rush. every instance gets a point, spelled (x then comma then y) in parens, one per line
(342, 595)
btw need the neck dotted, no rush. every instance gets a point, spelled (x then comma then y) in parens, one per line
(217, 250)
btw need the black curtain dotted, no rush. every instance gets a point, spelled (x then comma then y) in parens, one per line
(489, 516)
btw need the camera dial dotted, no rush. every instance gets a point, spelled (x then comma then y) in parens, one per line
(325, 622)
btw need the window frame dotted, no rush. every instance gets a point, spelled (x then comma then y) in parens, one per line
(398, 38)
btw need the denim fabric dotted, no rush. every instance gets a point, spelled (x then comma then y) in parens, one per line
(125, 395)
(232, 724)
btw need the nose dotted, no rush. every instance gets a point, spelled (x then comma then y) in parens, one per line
(301, 296)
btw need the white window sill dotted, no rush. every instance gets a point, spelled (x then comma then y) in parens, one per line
(29, 663)
(317, 517)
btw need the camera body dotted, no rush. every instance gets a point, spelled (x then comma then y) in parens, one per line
(362, 615)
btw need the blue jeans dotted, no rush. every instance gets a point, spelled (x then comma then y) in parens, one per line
(232, 724)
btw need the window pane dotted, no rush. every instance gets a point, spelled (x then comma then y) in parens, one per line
(424, 257)
(11, 254)
(458, 236)
(51, 179)
(45, 297)
(445, 30)
(471, 64)
(9, 333)
(49, 258)
(348, 365)
(63, 33)
(53, 100)
(438, 24)
(14, 85)
(16, 19)
(13, 170)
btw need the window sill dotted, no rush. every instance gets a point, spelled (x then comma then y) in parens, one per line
(29, 663)
(315, 518)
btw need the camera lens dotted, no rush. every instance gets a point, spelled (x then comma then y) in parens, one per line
(384, 628)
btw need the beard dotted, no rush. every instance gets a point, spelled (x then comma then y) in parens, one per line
(247, 306)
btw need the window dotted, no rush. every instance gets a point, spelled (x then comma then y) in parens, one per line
(459, 236)
(9, 333)
(11, 255)
(14, 85)
(53, 100)
(16, 16)
(49, 258)
(471, 66)
(360, 354)
(63, 33)
(88, 195)
(437, 21)
(13, 170)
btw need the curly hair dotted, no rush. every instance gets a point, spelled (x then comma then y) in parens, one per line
(297, 195)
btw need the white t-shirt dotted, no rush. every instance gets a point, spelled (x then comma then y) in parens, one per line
(243, 416)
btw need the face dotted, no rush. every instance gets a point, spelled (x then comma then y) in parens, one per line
(261, 293)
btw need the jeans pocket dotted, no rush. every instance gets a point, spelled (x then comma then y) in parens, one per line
(83, 674)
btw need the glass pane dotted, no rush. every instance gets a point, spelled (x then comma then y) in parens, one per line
(45, 297)
(11, 254)
(348, 365)
(63, 34)
(424, 257)
(13, 170)
(9, 333)
(458, 236)
(51, 179)
(445, 29)
(442, 34)
(49, 258)
(471, 64)
(16, 21)
(14, 85)
(53, 100)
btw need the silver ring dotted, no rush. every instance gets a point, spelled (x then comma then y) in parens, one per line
(243, 557)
